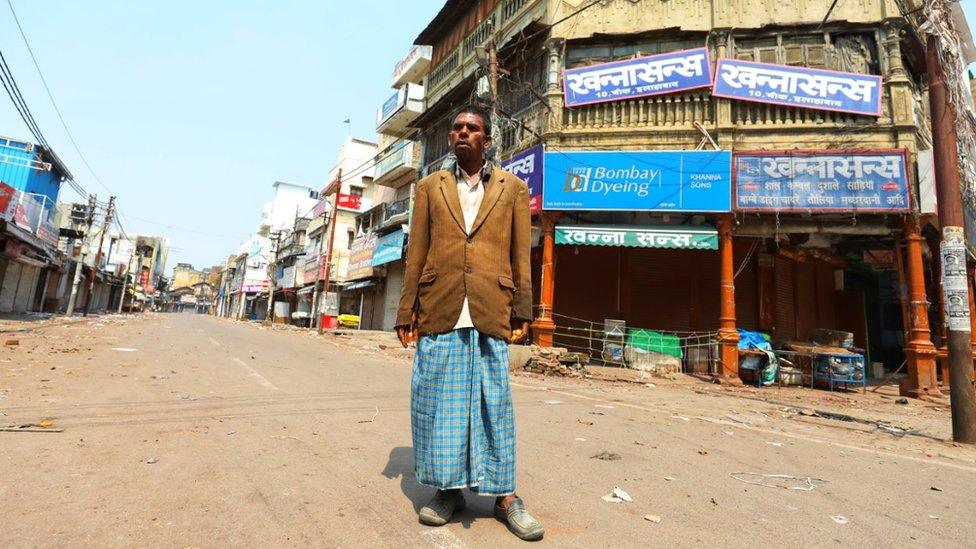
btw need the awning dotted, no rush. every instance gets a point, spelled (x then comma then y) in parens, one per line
(702, 237)
(358, 284)
(306, 290)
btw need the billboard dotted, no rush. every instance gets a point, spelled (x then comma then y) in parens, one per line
(656, 74)
(361, 257)
(798, 87)
(389, 248)
(528, 166)
(822, 181)
(666, 181)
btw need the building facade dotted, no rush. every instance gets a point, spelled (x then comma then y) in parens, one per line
(697, 174)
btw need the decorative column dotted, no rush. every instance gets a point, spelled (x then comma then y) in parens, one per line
(728, 336)
(919, 350)
(723, 107)
(544, 325)
(554, 88)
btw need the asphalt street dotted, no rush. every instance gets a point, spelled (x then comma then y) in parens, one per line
(182, 430)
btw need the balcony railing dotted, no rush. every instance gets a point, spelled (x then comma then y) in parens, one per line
(399, 160)
(30, 212)
(396, 209)
(663, 111)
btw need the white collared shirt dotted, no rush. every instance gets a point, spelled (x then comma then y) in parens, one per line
(471, 192)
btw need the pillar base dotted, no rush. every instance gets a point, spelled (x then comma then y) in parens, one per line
(728, 340)
(542, 332)
(921, 378)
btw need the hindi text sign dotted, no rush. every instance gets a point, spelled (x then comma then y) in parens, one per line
(798, 87)
(640, 77)
(827, 181)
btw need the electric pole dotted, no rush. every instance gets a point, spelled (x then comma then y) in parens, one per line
(955, 285)
(275, 239)
(76, 281)
(109, 211)
(314, 319)
(332, 229)
(242, 308)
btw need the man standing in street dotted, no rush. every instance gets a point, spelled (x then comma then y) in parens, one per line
(467, 292)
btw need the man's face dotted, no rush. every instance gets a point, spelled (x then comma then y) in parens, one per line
(468, 139)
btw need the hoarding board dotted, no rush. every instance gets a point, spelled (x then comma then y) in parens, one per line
(798, 87)
(389, 248)
(528, 166)
(822, 181)
(640, 77)
(666, 181)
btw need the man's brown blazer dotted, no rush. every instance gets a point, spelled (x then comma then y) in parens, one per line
(490, 266)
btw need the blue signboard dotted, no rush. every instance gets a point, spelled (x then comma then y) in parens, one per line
(866, 181)
(389, 248)
(390, 106)
(528, 166)
(652, 75)
(667, 181)
(798, 87)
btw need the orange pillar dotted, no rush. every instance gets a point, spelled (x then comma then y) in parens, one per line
(728, 336)
(544, 325)
(919, 350)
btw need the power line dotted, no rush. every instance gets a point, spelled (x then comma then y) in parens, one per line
(51, 97)
(13, 91)
(184, 229)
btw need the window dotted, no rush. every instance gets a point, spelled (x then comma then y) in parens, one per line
(351, 236)
(355, 191)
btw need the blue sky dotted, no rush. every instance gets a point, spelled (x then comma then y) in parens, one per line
(189, 111)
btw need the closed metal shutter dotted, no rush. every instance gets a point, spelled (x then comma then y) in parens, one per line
(785, 328)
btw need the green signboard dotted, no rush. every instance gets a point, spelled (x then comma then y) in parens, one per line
(689, 238)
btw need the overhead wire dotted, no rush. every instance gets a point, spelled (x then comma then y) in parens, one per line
(53, 102)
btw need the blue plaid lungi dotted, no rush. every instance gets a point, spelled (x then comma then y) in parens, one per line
(461, 413)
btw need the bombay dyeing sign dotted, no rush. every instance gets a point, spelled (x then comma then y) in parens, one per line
(640, 77)
(866, 181)
(667, 181)
(798, 87)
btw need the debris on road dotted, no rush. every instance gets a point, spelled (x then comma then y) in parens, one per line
(840, 519)
(936, 489)
(12, 342)
(607, 456)
(901, 400)
(618, 496)
(653, 518)
(124, 349)
(703, 451)
(604, 406)
(669, 479)
(40, 427)
(580, 439)
(152, 460)
(588, 423)
(553, 402)
(739, 419)
(372, 419)
(682, 418)
(808, 483)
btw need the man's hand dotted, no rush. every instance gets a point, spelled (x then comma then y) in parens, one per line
(408, 332)
(519, 331)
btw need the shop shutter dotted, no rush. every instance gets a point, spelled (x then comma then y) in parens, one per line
(785, 312)
(806, 297)
(586, 288)
(661, 288)
(826, 296)
(746, 285)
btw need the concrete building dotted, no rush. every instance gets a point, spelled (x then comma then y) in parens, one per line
(750, 259)
(349, 192)
(30, 268)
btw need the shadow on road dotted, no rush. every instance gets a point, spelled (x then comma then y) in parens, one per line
(400, 465)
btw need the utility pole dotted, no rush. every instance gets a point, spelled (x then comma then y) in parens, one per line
(243, 305)
(493, 71)
(315, 319)
(109, 211)
(332, 229)
(89, 220)
(955, 286)
(275, 239)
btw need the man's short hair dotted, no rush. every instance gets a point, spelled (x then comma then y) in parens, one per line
(479, 110)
